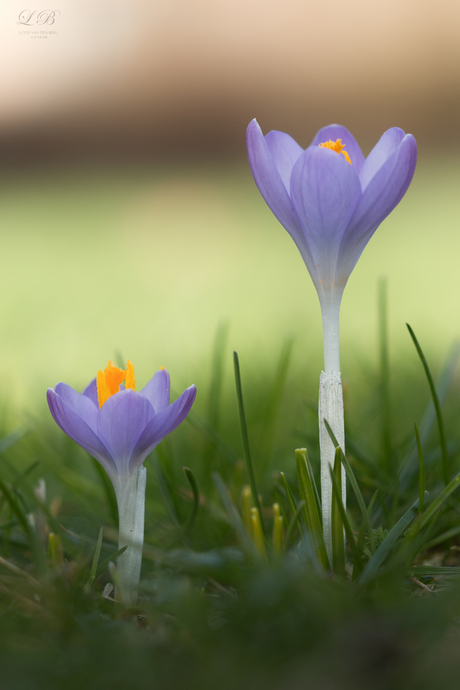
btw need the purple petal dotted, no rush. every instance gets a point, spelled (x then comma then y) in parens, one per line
(79, 403)
(335, 132)
(388, 143)
(157, 390)
(325, 190)
(384, 191)
(285, 152)
(121, 421)
(74, 426)
(271, 186)
(162, 425)
(91, 392)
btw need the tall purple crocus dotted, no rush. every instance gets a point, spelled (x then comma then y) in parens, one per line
(119, 427)
(331, 200)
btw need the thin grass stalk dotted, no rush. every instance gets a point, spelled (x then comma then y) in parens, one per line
(244, 433)
(437, 406)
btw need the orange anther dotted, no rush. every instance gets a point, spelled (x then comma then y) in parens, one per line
(108, 381)
(336, 146)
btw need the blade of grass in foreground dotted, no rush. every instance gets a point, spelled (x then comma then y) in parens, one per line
(437, 503)
(233, 515)
(244, 433)
(96, 557)
(311, 512)
(387, 545)
(422, 470)
(291, 499)
(407, 465)
(355, 487)
(338, 543)
(196, 496)
(434, 395)
(336, 489)
(295, 518)
(18, 510)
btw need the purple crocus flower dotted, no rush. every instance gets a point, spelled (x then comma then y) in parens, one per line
(123, 429)
(331, 204)
(331, 200)
(120, 426)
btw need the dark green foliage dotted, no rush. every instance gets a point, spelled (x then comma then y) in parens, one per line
(212, 611)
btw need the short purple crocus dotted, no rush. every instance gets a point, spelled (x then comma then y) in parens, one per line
(331, 204)
(120, 427)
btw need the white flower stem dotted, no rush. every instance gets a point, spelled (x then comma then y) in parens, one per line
(131, 510)
(331, 408)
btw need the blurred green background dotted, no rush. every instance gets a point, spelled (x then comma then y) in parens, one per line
(148, 262)
(130, 219)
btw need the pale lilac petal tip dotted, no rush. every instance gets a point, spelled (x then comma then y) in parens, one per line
(161, 425)
(157, 390)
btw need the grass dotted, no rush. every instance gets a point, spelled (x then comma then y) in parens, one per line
(235, 583)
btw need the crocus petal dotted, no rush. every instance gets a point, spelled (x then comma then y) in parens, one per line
(384, 191)
(285, 152)
(157, 390)
(334, 132)
(325, 190)
(79, 403)
(162, 425)
(121, 421)
(74, 426)
(91, 392)
(388, 142)
(271, 186)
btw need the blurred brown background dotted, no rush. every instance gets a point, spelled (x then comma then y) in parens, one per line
(147, 79)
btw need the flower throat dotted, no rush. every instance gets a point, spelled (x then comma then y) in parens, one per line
(336, 146)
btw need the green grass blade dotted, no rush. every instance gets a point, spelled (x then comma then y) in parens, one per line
(113, 556)
(338, 545)
(196, 496)
(437, 503)
(422, 470)
(21, 514)
(437, 406)
(311, 513)
(289, 494)
(445, 536)
(295, 518)
(244, 433)
(429, 416)
(12, 438)
(233, 515)
(165, 492)
(94, 565)
(336, 489)
(387, 545)
(433, 571)
(291, 500)
(355, 487)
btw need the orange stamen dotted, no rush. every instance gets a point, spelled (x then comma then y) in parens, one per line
(130, 381)
(336, 146)
(108, 381)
